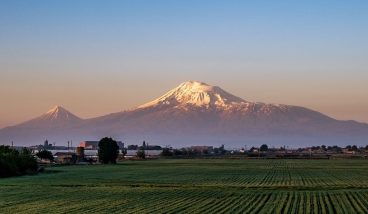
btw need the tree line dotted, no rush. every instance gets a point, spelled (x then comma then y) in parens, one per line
(15, 163)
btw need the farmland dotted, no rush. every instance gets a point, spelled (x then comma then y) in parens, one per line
(193, 186)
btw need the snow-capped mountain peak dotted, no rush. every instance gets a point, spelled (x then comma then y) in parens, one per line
(56, 109)
(56, 112)
(59, 113)
(197, 94)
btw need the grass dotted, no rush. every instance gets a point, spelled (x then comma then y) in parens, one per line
(193, 186)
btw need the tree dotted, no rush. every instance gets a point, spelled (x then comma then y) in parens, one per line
(13, 163)
(27, 164)
(222, 149)
(336, 149)
(141, 154)
(108, 151)
(45, 154)
(177, 152)
(132, 147)
(166, 152)
(263, 148)
(124, 151)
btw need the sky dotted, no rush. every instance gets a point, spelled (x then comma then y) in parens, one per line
(98, 57)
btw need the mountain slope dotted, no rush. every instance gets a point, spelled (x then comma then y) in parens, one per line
(55, 117)
(57, 124)
(195, 110)
(196, 113)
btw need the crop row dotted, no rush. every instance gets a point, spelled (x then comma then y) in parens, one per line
(193, 186)
(179, 200)
(253, 202)
(275, 173)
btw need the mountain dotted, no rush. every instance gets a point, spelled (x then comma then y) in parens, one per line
(56, 117)
(197, 113)
(57, 123)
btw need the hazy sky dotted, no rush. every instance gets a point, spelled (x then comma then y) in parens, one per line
(98, 57)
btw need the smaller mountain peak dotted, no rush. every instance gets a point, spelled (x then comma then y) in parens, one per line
(59, 113)
(57, 116)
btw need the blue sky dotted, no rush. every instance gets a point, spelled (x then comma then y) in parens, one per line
(124, 53)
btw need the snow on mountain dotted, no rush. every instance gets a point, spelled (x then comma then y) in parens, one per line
(59, 113)
(197, 94)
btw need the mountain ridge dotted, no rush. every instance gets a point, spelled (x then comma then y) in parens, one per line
(191, 111)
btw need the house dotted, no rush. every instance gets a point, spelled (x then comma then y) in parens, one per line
(348, 151)
(89, 145)
(66, 157)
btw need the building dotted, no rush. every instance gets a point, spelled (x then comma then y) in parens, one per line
(89, 145)
(66, 157)
(93, 145)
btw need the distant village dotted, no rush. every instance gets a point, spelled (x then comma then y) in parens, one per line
(87, 152)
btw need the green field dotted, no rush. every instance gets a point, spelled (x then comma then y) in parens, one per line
(193, 186)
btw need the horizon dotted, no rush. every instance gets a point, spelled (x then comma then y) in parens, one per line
(137, 106)
(92, 57)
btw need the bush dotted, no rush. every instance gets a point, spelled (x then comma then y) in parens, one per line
(141, 154)
(44, 154)
(14, 163)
